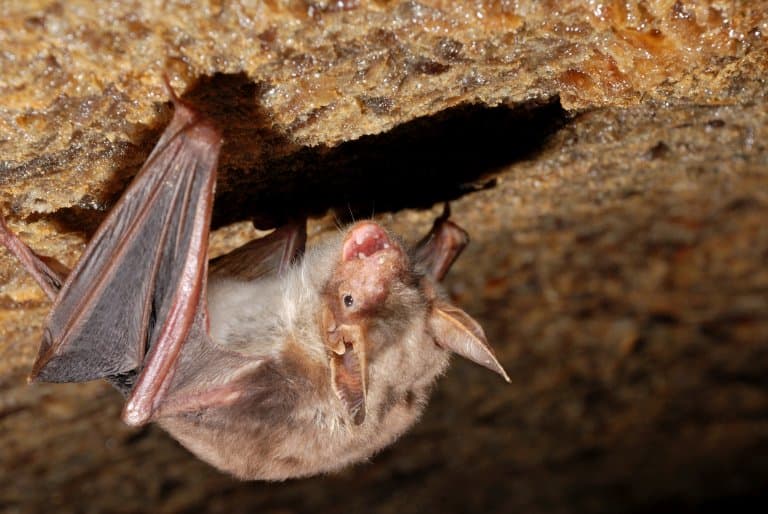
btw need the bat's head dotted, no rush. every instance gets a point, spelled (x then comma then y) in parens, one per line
(369, 286)
(381, 307)
(370, 266)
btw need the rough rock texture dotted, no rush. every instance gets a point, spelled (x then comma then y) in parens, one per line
(619, 256)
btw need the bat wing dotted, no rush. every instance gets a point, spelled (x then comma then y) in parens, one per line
(270, 254)
(207, 375)
(140, 285)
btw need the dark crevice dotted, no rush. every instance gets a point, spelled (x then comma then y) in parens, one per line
(265, 176)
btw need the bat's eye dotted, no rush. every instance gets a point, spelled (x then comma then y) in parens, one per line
(348, 300)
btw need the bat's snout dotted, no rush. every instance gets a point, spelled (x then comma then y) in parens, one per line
(364, 240)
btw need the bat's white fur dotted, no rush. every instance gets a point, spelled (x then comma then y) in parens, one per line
(275, 306)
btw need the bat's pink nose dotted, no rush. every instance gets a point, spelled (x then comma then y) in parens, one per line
(363, 240)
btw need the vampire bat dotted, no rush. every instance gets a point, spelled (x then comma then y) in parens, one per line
(272, 361)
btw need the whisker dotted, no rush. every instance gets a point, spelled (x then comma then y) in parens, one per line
(337, 222)
(351, 214)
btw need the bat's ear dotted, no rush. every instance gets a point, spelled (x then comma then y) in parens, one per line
(348, 378)
(347, 345)
(457, 331)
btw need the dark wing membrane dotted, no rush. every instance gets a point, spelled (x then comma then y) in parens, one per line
(272, 253)
(139, 280)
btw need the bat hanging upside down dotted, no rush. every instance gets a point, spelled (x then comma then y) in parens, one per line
(274, 363)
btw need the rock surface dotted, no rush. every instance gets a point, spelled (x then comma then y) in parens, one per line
(609, 159)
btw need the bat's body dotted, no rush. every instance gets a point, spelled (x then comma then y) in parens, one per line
(270, 328)
(275, 363)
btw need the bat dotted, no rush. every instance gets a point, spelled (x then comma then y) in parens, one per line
(277, 360)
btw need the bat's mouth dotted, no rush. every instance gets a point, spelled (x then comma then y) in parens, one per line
(365, 240)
